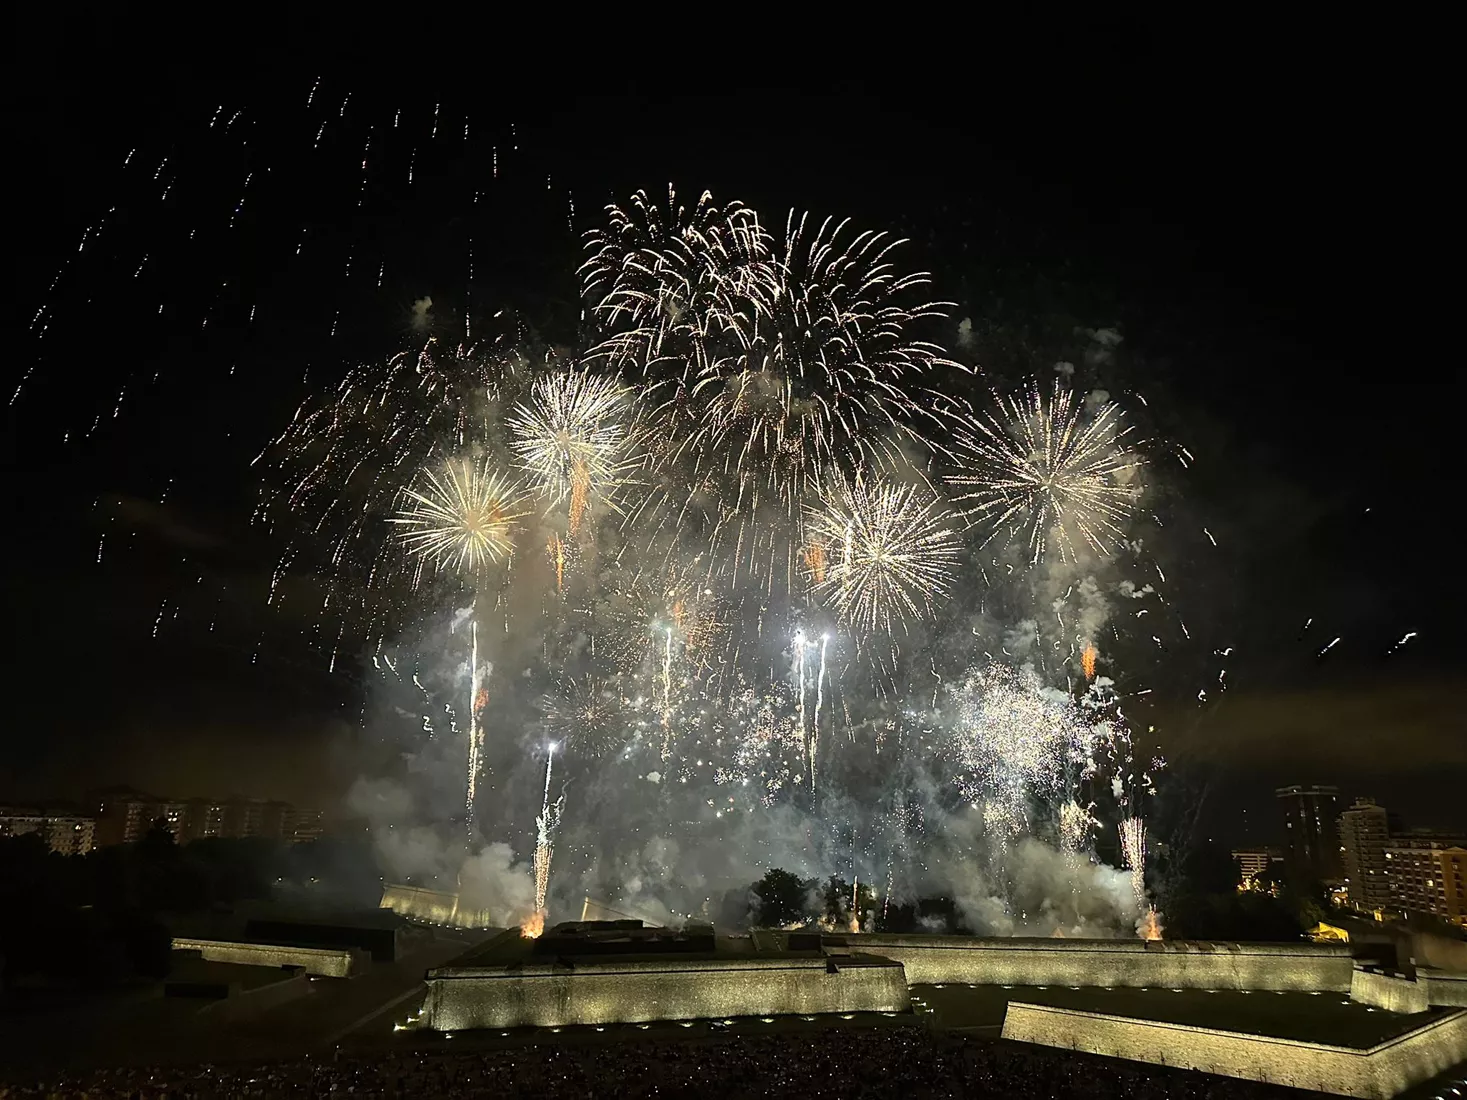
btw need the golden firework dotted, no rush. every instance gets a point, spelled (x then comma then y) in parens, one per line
(464, 517)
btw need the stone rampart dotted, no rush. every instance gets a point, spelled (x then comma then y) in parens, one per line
(1381, 1071)
(1392, 992)
(329, 962)
(420, 904)
(623, 991)
(1169, 964)
(1449, 990)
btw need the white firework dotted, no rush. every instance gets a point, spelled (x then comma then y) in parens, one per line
(1053, 474)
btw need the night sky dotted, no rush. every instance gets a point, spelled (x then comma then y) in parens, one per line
(1257, 232)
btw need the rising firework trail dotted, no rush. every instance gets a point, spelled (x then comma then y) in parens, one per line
(478, 697)
(545, 825)
(1052, 474)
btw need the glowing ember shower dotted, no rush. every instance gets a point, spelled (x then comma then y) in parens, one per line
(1133, 845)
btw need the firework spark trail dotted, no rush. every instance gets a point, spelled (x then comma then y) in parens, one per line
(545, 825)
(888, 552)
(806, 735)
(819, 702)
(1048, 473)
(667, 694)
(477, 700)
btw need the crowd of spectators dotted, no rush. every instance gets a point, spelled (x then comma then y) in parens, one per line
(895, 1062)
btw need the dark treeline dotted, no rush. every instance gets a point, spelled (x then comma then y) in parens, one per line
(1196, 889)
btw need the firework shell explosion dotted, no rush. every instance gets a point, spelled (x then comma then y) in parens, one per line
(879, 553)
(1051, 473)
(771, 368)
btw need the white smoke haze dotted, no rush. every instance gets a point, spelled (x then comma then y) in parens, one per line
(497, 890)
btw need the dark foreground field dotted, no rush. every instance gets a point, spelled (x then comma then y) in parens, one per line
(850, 1062)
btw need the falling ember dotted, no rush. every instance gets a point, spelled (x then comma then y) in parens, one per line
(815, 562)
(580, 490)
(1087, 660)
(555, 547)
(481, 700)
(533, 926)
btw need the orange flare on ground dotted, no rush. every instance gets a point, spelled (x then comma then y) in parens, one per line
(1151, 925)
(533, 926)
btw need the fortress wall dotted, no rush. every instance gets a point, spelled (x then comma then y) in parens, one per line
(555, 996)
(1382, 1071)
(417, 903)
(1392, 992)
(1108, 963)
(1443, 989)
(325, 961)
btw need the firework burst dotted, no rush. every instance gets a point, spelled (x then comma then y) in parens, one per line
(789, 363)
(570, 437)
(671, 284)
(1052, 473)
(339, 470)
(584, 714)
(464, 517)
(883, 552)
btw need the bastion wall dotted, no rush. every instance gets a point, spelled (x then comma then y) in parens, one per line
(611, 992)
(329, 962)
(417, 903)
(1167, 964)
(1380, 1071)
